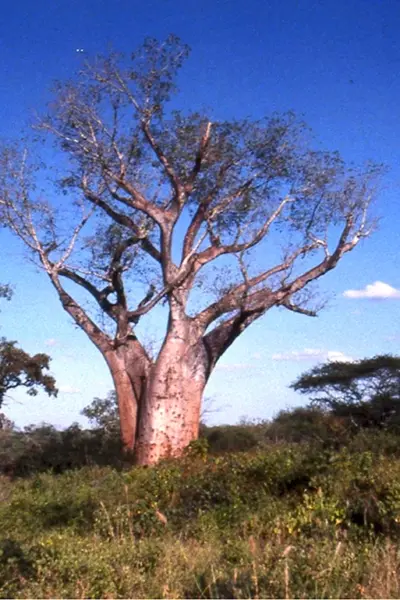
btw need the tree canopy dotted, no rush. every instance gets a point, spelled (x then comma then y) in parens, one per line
(366, 390)
(20, 369)
(103, 413)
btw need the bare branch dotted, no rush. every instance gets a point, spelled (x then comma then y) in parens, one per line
(214, 252)
(148, 303)
(124, 220)
(134, 318)
(299, 309)
(240, 297)
(137, 200)
(98, 337)
(200, 215)
(179, 190)
(99, 295)
(199, 158)
(74, 237)
(218, 340)
(250, 306)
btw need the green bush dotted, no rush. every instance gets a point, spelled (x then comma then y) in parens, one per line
(303, 507)
(44, 448)
(231, 438)
(282, 520)
(308, 424)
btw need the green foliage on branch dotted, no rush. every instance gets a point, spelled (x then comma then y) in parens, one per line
(103, 414)
(365, 392)
(20, 369)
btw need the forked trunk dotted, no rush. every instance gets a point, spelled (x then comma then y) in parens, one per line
(159, 404)
(170, 414)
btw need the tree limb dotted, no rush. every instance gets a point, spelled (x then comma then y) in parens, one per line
(298, 309)
(125, 221)
(251, 306)
(200, 215)
(98, 337)
(214, 252)
(99, 295)
(218, 340)
(199, 158)
(177, 186)
(240, 297)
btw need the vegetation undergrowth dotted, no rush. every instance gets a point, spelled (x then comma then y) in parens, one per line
(283, 519)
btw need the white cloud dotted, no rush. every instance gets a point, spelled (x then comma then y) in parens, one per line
(51, 342)
(312, 354)
(375, 291)
(69, 389)
(337, 356)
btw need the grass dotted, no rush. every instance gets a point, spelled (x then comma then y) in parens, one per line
(281, 521)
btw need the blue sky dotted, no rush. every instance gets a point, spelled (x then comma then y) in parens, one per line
(334, 63)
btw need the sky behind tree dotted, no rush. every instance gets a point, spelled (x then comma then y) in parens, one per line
(334, 63)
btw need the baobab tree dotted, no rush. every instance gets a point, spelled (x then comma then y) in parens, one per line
(153, 204)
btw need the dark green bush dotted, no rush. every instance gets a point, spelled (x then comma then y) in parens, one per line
(308, 424)
(231, 438)
(44, 448)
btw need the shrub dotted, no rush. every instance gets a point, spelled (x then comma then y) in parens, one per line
(308, 424)
(44, 448)
(231, 438)
(282, 520)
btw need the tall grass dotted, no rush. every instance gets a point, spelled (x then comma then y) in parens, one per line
(281, 520)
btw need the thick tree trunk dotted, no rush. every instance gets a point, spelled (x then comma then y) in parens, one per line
(129, 367)
(170, 414)
(159, 404)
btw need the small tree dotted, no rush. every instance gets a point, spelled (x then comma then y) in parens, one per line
(20, 369)
(103, 412)
(168, 199)
(366, 391)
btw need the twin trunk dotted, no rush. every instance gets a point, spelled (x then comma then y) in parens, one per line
(160, 402)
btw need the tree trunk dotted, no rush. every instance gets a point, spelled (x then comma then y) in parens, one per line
(170, 414)
(159, 404)
(129, 368)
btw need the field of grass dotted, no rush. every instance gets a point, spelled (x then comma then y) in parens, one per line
(281, 520)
